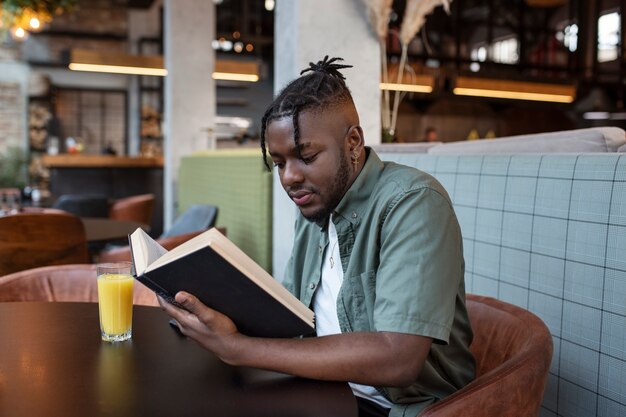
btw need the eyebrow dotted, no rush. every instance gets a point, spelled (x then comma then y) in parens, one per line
(302, 146)
(294, 149)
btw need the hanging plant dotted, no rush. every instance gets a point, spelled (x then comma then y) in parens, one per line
(21, 16)
(41, 7)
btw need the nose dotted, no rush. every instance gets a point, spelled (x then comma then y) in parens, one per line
(291, 175)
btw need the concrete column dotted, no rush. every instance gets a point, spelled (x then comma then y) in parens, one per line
(305, 31)
(189, 89)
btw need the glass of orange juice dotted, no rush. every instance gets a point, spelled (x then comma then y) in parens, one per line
(115, 301)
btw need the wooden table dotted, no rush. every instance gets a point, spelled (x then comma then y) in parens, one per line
(103, 229)
(53, 363)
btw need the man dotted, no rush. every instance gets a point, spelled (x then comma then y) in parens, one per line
(430, 134)
(377, 255)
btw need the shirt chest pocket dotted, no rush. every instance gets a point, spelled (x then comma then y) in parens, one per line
(355, 304)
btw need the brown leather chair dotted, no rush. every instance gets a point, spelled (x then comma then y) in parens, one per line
(62, 283)
(138, 208)
(513, 350)
(29, 240)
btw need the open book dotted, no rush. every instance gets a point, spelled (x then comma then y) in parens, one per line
(223, 277)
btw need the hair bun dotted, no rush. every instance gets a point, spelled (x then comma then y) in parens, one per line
(327, 66)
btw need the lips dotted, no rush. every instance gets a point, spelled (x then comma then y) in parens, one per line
(301, 197)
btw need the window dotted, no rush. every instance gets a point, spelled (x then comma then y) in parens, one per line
(608, 37)
(569, 37)
(95, 118)
(503, 51)
(479, 53)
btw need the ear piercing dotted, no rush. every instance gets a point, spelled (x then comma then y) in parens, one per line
(355, 161)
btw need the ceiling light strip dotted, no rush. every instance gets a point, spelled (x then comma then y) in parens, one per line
(513, 95)
(229, 76)
(161, 72)
(412, 88)
(118, 69)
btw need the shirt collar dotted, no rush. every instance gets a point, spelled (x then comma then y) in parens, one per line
(354, 201)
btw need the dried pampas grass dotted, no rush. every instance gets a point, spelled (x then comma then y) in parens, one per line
(378, 12)
(415, 16)
(413, 20)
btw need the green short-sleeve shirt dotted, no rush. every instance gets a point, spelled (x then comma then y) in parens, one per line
(402, 258)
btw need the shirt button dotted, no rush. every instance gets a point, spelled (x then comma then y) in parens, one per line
(311, 286)
(354, 215)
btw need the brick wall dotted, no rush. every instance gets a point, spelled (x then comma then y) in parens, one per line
(11, 115)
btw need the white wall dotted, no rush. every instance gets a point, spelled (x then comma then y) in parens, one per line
(189, 89)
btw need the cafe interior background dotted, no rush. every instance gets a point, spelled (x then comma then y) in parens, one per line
(569, 54)
(475, 71)
(572, 48)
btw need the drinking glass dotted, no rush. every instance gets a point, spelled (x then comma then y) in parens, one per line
(115, 300)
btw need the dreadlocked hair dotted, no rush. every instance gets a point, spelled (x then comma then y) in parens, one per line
(319, 87)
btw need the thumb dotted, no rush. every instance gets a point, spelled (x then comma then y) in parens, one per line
(189, 302)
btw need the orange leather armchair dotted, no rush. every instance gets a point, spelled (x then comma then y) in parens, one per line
(48, 237)
(138, 208)
(62, 283)
(513, 350)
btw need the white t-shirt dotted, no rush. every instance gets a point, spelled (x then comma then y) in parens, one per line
(325, 307)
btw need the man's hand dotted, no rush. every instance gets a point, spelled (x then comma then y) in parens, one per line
(210, 328)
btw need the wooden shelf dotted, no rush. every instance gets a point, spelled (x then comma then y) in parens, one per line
(100, 161)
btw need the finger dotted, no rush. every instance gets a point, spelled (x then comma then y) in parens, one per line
(197, 309)
(180, 315)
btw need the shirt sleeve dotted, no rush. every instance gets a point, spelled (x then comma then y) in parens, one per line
(421, 266)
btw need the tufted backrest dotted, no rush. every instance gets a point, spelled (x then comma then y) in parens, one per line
(547, 232)
(513, 349)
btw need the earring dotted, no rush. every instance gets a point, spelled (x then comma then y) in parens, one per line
(355, 162)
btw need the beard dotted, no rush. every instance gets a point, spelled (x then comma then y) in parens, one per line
(335, 192)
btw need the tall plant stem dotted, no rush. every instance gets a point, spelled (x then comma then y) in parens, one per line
(396, 95)
(386, 103)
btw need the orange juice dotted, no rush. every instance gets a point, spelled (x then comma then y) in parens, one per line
(115, 298)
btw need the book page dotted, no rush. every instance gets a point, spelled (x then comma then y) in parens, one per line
(145, 250)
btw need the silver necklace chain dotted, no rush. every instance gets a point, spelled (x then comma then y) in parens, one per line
(332, 255)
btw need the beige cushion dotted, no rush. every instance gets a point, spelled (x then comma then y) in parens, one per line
(415, 147)
(597, 139)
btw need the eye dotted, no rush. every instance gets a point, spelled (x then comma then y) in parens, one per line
(279, 165)
(308, 159)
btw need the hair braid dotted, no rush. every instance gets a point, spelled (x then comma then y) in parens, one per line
(319, 87)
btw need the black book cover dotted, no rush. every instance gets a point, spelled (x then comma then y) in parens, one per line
(224, 288)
